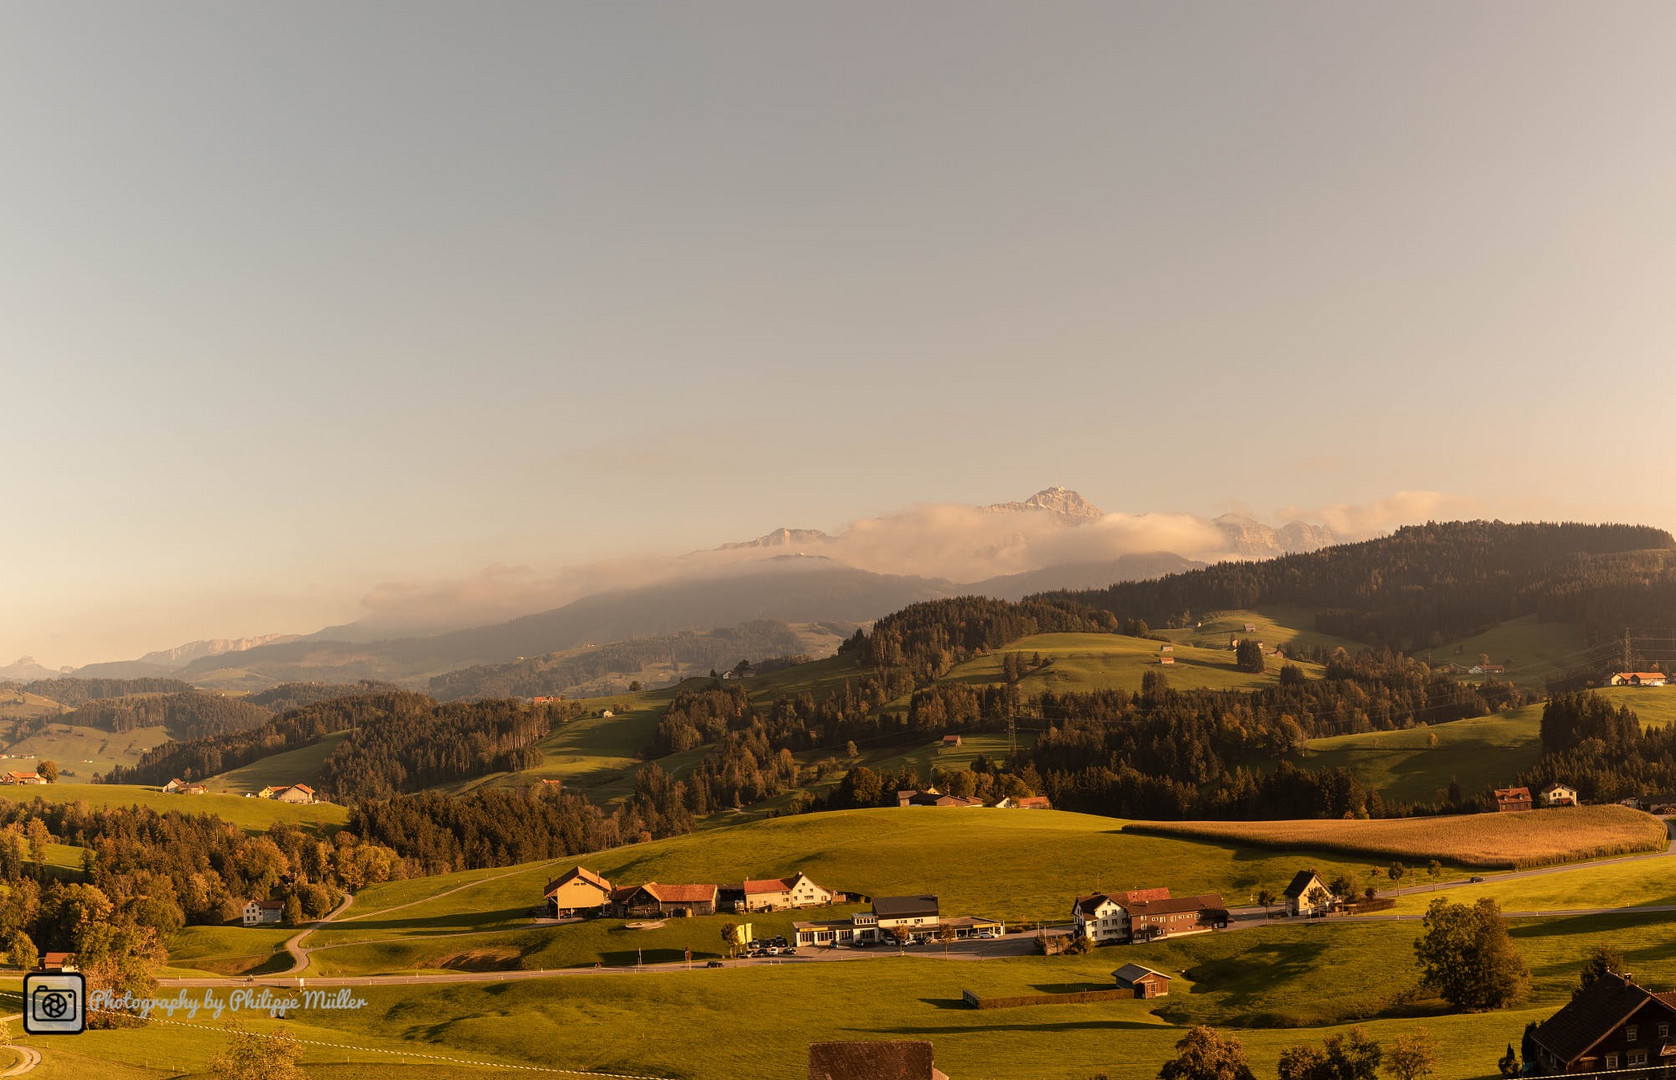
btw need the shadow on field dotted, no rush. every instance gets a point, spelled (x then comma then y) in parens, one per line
(966, 1029)
(465, 920)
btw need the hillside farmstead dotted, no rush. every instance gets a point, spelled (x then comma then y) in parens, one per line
(1308, 895)
(1512, 800)
(577, 891)
(1559, 795)
(1611, 1024)
(1638, 678)
(262, 912)
(1145, 915)
(776, 894)
(654, 899)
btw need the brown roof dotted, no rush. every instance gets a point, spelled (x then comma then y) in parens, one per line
(623, 892)
(1202, 902)
(302, 787)
(270, 905)
(1034, 802)
(680, 894)
(870, 1061)
(578, 874)
(1593, 1014)
(1135, 896)
(767, 885)
(1513, 793)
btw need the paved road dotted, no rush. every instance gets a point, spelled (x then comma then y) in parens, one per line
(27, 1056)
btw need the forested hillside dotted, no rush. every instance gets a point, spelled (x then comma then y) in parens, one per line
(189, 714)
(1428, 584)
(77, 692)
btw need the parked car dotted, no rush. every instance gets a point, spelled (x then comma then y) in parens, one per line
(715, 963)
(1474, 879)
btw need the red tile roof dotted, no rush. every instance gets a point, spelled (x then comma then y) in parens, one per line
(680, 894)
(768, 885)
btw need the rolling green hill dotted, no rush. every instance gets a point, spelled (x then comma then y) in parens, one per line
(83, 751)
(1084, 662)
(254, 815)
(1416, 763)
(300, 766)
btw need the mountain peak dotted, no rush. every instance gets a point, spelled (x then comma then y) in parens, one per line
(1054, 500)
(780, 538)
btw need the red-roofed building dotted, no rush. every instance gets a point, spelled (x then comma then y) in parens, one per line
(655, 899)
(775, 894)
(1512, 800)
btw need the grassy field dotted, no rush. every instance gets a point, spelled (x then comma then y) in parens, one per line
(229, 950)
(83, 751)
(1502, 841)
(1530, 649)
(1482, 753)
(254, 815)
(1017, 865)
(1085, 662)
(1261, 984)
(1655, 705)
(15, 704)
(299, 766)
(1630, 883)
(1276, 626)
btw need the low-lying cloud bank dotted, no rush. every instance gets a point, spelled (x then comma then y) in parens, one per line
(952, 542)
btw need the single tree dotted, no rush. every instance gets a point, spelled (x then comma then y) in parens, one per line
(1202, 1054)
(1412, 1057)
(1508, 1063)
(1397, 871)
(47, 770)
(1435, 872)
(1602, 959)
(1265, 898)
(251, 1056)
(1248, 657)
(1303, 1063)
(1466, 955)
(21, 951)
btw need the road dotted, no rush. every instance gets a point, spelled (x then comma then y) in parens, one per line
(27, 1056)
(1018, 944)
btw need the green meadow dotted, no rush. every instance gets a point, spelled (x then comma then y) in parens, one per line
(1483, 752)
(1531, 650)
(254, 815)
(299, 766)
(82, 752)
(1086, 662)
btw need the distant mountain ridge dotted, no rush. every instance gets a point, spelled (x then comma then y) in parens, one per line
(1053, 500)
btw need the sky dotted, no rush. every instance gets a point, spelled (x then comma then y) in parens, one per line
(303, 301)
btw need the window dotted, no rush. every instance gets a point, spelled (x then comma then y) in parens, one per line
(1611, 1061)
(1631, 1032)
(1664, 1031)
(1638, 1057)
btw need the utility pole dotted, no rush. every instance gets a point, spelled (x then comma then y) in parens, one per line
(1629, 664)
(1012, 733)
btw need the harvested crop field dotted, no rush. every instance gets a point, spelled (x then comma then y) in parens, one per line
(1498, 841)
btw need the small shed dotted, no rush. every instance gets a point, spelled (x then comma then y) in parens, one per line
(1145, 982)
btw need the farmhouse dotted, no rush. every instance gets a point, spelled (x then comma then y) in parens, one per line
(192, 789)
(1308, 895)
(261, 912)
(577, 891)
(21, 778)
(1026, 802)
(951, 740)
(1559, 795)
(1611, 1024)
(1100, 919)
(56, 961)
(173, 786)
(1513, 799)
(1167, 660)
(1145, 982)
(933, 797)
(655, 899)
(1638, 678)
(1150, 920)
(296, 793)
(872, 1061)
(775, 894)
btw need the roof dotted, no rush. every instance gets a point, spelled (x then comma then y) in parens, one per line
(1088, 905)
(23, 775)
(1301, 883)
(270, 905)
(1034, 802)
(1130, 973)
(870, 1061)
(1135, 896)
(1513, 793)
(1557, 786)
(897, 907)
(1202, 902)
(623, 892)
(769, 885)
(680, 894)
(1593, 1014)
(56, 957)
(1643, 675)
(578, 874)
(302, 787)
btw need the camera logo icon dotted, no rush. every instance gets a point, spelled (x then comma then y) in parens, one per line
(54, 1003)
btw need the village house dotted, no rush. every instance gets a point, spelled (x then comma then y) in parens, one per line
(266, 793)
(1103, 918)
(1308, 895)
(1512, 800)
(950, 741)
(1150, 920)
(21, 778)
(872, 1061)
(1559, 795)
(56, 961)
(577, 891)
(1167, 660)
(1638, 678)
(1145, 982)
(776, 894)
(655, 899)
(1611, 1024)
(297, 793)
(933, 797)
(1487, 669)
(262, 912)
(173, 786)
(192, 789)
(1025, 802)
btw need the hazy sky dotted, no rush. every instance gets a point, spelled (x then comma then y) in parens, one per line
(296, 299)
